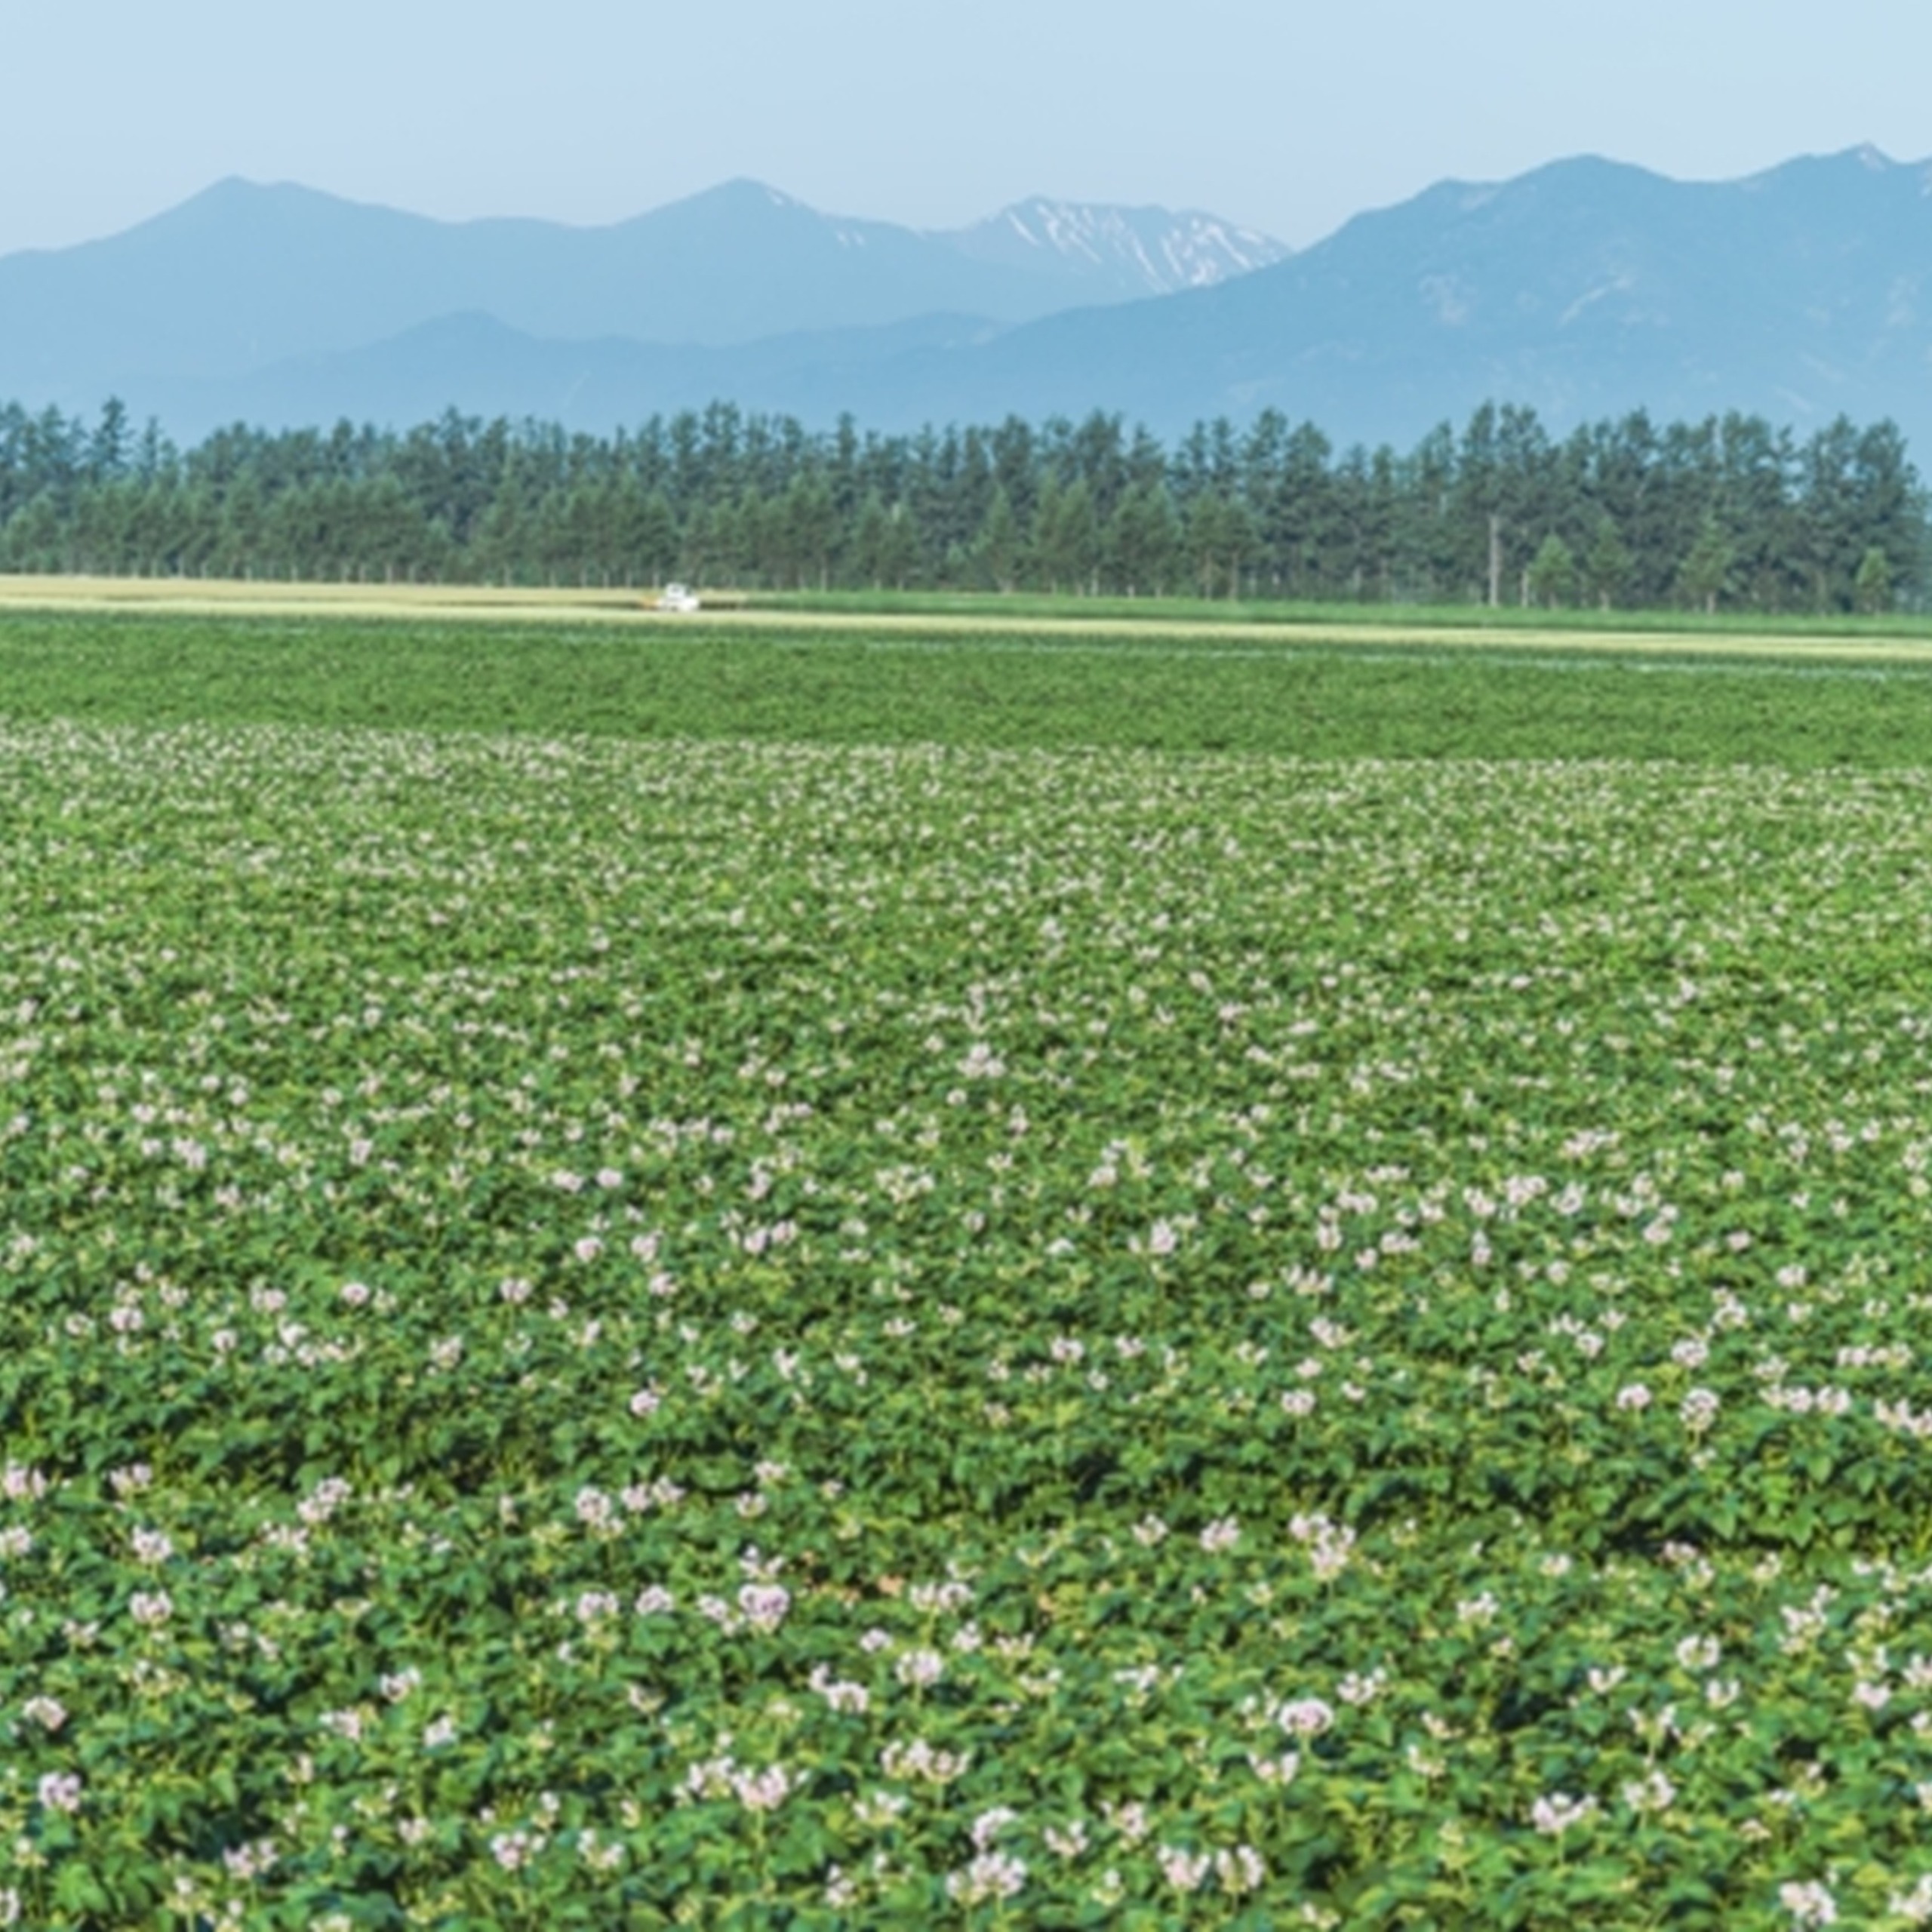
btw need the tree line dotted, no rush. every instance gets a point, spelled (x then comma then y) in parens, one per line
(1730, 512)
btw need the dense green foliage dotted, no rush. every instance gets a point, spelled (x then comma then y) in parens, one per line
(899, 685)
(600, 1330)
(1728, 513)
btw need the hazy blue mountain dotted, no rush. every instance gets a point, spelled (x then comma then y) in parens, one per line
(482, 366)
(1582, 288)
(1585, 288)
(243, 277)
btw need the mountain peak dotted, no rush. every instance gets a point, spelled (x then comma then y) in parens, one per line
(237, 195)
(1137, 251)
(745, 188)
(1842, 165)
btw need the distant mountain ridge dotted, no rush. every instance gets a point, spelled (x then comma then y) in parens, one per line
(1585, 288)
(417, 376)
(243, 277)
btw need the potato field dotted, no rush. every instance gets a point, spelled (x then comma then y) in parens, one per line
(608, 1327)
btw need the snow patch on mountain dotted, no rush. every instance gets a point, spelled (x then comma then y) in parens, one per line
(1135, 250)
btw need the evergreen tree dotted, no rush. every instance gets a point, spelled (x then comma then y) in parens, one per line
(1065, 548)
(108, 448)
(1138, 546)
(1607, 566)
(649, 528)
(1702, 576)
(1552, 576)
(809, 523)
(1873, 585)
(1219, 538)
(899, 559)
(1000, 544)
(872, 542)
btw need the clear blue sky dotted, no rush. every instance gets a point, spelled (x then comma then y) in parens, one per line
(1287, 116)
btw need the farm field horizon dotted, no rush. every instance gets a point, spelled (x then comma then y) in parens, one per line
(814, 1268)
(940, 615)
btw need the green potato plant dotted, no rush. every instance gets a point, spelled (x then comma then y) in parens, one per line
(601, 1332)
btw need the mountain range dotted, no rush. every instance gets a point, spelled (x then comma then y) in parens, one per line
(1585, 287)
(244, 281)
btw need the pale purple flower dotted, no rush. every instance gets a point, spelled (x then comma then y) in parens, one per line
(1222, 1534)
(1653, 1792)
(514, 1849)
(765, 1605)
(60, 1791)
(245, 1862)
(1305, 1717)
(1558, 1812)
(1186, 1871)
(839, 1695)
(1809, 1903)
(1699, 1409)
(923, 1761)
(762, 1791)
(993, 1875)
(1240, 1871)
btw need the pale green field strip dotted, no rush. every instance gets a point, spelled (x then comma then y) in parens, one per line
(472, 604)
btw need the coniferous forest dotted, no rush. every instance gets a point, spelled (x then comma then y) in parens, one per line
(1729, 513)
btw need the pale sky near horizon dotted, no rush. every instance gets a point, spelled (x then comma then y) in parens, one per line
(1286, 116)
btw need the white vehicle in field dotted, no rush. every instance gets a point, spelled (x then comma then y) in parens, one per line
(678, 597)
